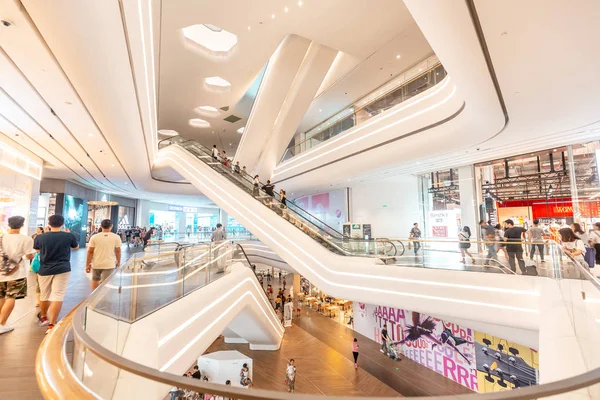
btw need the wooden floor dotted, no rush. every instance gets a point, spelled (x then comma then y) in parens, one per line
(320, 369)
(406, 377)
(19, 347)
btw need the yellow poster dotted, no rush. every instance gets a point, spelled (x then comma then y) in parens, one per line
(504, 365)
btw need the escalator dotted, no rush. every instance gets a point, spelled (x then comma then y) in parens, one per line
(319, 231)
(350, 269)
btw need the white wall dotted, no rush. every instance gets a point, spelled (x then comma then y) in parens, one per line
(391, 205)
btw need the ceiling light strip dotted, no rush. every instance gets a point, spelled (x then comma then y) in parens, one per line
(31, 169)
(221, 192)
(402, 120)
(361, 127)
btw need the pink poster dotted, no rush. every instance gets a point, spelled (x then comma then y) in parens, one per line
(443, 347)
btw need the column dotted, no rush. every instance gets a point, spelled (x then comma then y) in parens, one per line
(223, 216)
(573, 184)
(296, 284)
(468, 200)
(293, 76)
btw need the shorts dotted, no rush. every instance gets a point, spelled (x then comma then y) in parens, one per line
(53, 287)
(16, 289)
(99, 275)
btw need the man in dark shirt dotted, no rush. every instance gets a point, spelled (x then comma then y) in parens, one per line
(268, 188)
(196, 374)
(55, 267)
(384, 339)
(515, 251)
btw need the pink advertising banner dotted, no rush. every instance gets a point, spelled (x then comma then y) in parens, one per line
(443, 347)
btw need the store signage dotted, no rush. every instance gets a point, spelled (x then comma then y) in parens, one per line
(176, 208)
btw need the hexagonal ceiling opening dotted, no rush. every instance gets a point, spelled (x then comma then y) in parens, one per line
(199, 123)
(210, 38)
(217, 83)
(207, 111)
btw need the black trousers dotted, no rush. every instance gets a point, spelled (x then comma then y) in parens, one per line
(355, 354)
(518, 256)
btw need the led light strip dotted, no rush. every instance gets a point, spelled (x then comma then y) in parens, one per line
(145, 285)
(186, 348)
(219, 195)
(376, 131)
(204, 310)
(150, 93)
(364, 126)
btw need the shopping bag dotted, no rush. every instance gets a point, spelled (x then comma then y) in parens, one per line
(590, 256)
(35, 263)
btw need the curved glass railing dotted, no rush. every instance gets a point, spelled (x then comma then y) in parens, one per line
(318, 230)
(354, 116)
(65, 370)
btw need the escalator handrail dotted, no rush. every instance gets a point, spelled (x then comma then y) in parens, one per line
(276, 196)
(310, 219)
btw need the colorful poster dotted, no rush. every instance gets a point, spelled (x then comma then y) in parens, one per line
(443, 347)
(480, 362)
(504, 365)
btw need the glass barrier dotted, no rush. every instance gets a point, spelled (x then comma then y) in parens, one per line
(397, 95)
(98, 365)
(321, 232)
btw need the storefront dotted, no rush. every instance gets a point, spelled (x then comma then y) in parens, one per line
(557, 186)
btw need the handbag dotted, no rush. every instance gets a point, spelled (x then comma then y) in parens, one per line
(35, 263)
(590, 256)
(7, 265)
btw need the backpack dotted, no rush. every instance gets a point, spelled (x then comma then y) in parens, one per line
(7, 265)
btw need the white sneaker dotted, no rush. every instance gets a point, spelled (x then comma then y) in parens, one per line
(381, 350)
(5, 329)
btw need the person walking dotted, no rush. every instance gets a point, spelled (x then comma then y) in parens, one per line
(104, 254)
(464, 245)
(147, 237)
(536, 238)
(15, 248)
(514, 235)
(38, 231)
(384, 339)
(290, 375)
(215, 153)
(55, 268)
(355, 352)
(219, 234)
(415, 235)
(489, 236)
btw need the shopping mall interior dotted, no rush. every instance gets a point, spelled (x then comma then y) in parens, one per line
(311, 199)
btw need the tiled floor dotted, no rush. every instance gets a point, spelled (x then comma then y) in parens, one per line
(19, 347)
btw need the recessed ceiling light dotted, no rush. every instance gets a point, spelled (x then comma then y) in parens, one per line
(320, 110)
(286, 9)
(249, 28)
(127, 183)
(420, 69)
(90, 134)
(241, 130)
(230, 144)
(300, 3)
(208, 111)
(272, 16)
(199, 123)
(398, 57)
(217, 82)
(112, 165)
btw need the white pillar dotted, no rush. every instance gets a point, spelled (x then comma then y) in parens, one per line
(468, 200)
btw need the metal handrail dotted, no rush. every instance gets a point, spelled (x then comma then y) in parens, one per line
(57, 380)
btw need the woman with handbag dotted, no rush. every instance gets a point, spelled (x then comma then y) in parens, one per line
(464, 236)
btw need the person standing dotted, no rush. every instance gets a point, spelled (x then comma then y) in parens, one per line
(536, 237)
(215, 153)
(237, 169)
(464, 237)
(572, 245)
(415, 235)
(595, 240)
(290, 375)
(219, 234)
(13, 286)
(489, 236)
(255, 186)
(269, 189)
(196, 374)
(384, 339)
(355, 352)
(514, 235)
(104, 254)
(55, 268)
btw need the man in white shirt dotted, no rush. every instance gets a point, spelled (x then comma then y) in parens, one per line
(14, 286)
(104, 254)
